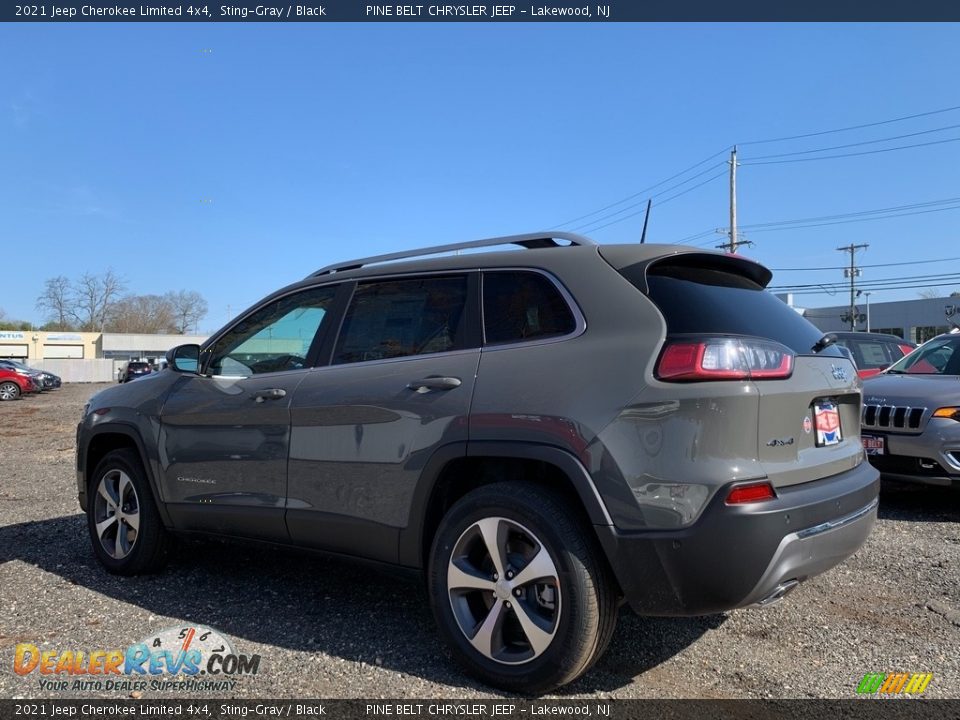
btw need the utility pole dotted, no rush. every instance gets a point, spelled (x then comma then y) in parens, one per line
(733, 200)
(852, 272)
(733, 240)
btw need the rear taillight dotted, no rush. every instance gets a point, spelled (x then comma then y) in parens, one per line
(723, 358)
(755, 492)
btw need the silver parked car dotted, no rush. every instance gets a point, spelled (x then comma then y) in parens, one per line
(911, 415)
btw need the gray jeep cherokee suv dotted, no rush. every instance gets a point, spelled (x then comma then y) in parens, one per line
(543, 433)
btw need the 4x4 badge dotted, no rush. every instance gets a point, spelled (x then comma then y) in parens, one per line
(838, 372)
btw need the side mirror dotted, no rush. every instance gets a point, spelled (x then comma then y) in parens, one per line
(184, 358)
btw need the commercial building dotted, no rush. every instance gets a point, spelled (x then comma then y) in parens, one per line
(914, 320)
(84, 356)
(40, 345)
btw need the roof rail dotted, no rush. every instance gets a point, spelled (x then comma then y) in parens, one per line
(529, 241)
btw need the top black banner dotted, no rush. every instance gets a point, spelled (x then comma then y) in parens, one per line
(579, 11)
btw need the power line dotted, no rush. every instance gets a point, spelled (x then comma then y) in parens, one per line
(856, 144)
(852, 127)
(840, 218)
(896, 264)
(877, 281)
(856, 220)
(644, 201)
(846, 155)
(857, 213)
(645, 190)
(662, 202)
(917, 286)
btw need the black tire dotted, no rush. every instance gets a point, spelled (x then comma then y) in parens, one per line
(149, 548)
(10, 390)
(585, 603)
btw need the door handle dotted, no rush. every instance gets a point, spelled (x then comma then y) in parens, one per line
(271, 394)
(434, 383)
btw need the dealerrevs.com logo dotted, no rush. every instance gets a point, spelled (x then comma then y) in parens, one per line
(175, 659)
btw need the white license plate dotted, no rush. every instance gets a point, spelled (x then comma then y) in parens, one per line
(873, 444)
(826, 422)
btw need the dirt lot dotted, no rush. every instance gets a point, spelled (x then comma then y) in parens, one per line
(327, 629)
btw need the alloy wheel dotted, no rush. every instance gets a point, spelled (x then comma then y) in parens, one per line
(117, 514)
(9, 391)
(504, 590)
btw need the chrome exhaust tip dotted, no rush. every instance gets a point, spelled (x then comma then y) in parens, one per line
(778, 593)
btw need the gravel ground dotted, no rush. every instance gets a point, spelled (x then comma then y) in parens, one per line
(332, 630)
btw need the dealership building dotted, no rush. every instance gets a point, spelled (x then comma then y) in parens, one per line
(914, 320)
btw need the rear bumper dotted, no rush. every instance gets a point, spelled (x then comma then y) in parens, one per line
(737, 556)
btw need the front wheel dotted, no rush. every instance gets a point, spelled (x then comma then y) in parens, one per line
(519, 589)
(9, 390)
(125, 528)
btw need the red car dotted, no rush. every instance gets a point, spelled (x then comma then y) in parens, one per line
(13, 384)
(873, 352)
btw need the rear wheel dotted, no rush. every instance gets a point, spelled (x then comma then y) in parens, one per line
(519, 589)
(9, 390)
(125, 528)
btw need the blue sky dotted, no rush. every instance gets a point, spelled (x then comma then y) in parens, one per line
(232, 159)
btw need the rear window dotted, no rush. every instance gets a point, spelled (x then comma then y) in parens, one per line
(138, 365)
(707, 301)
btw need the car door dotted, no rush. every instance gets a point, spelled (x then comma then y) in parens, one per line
(225, 434)
(397, 387)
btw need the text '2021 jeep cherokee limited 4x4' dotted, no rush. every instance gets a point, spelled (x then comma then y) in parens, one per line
(542, 432)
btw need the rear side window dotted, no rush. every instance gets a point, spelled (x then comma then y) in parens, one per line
(521, 305)
(872, 354)
(398, 318)
(706, 301)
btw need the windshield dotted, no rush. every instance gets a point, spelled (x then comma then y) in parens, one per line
(940, 356)
(15, 364)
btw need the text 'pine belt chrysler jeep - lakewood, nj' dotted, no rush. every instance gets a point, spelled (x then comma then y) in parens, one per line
(543, 433)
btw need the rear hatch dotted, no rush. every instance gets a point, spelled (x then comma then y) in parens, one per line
(807, 420)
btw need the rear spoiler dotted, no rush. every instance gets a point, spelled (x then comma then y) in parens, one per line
(630, 260)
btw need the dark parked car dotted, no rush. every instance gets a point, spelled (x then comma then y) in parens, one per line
(539, 433)
(911, 415)
(873, 352)
(16, 383)
(133, 370)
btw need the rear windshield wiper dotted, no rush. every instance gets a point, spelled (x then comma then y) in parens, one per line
(824, 342)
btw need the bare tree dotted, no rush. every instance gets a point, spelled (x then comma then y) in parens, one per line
(150, 314)
(94, 297)
(189, 308)
(56, 301)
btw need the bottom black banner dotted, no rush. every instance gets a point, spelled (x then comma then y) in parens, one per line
(507, 709)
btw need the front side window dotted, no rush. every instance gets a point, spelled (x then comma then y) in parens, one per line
(274, 338)
(521, 305)
(399, 318)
